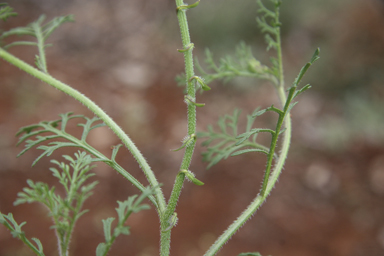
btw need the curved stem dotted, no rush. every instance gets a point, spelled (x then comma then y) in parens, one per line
(98, 112)
(258, 201)
(84, 145)
(283, 101)
(270, 178)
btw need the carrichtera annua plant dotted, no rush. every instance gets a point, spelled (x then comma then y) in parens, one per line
(74, 173)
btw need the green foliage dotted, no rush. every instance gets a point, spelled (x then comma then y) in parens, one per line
(249, 254)
(9, 222)
(235, 144)
(172, 221)
(269, 23)
(186, 7)
(64, 211)
(230, 144)
(41, 32)
(191, 177)
(37, 29)
(56, 132)
(49, 136)
(303, 70)
(6, 11)
(188, 140)
(132, 205)
(228, 141)
(244, 64)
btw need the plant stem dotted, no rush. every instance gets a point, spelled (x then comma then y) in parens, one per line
(261, 197)
(98, 112)
(21, 235)
(84, 145)
(270, 178)
(191, 91)
(283, 101)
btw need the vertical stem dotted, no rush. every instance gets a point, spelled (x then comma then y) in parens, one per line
(283, 99)
(271, 153)
(191, 112)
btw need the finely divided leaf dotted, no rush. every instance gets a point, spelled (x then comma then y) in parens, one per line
(9, 222)
(124, 210)
(249, 150)
(228, 141)
(39, 245)
(101, 249)
(6, 11)
(107, 228)
(244, 64)
(306, 66)
(36, 29)
(36, 131)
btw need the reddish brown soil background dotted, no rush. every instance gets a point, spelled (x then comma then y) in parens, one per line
(122, 54)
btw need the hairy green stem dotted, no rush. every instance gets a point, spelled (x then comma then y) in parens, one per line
(98, 112)
(67, 239)
(270, 178)
(191, 93)
(261, 197)
(165, 233)
(283, 100)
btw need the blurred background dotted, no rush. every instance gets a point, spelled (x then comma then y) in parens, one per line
(123, 55)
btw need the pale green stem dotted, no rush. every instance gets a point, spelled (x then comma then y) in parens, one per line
(283, 99)
(258, 201)
(270, 178)
(98, 112)
(165, 233)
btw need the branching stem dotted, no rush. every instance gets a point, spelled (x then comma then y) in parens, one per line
(98, 112)
(270, 178)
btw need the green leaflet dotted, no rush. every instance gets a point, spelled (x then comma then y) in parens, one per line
(232, 143)
(36, 130)
(41, 32)
(65, 211)
(191, 177)
(188, 140)
(243, 64)
(190, 101)
(37, 134)
(132, 205)
(186, 7)
(172, 222)
(228, 142)
(10, 223)
(6, 11)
